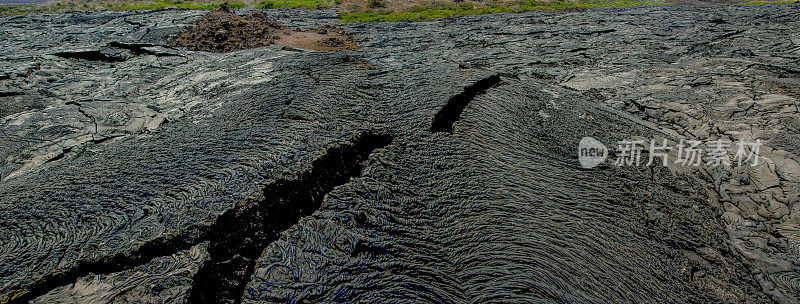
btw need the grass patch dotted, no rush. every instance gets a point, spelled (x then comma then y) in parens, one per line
(375, 11)
(761, 2)
(170, 4)
(444, 10)
(64, 7)
(13, 10)
(302, 4)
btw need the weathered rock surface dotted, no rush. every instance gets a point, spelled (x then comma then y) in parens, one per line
(694, 73)
(119, 153)
(164, 280)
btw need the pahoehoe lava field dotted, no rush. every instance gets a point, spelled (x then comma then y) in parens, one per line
(437, 162)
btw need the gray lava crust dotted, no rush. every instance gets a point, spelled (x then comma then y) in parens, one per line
(131, 171)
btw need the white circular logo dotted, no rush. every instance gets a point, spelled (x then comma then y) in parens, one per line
(591, 152)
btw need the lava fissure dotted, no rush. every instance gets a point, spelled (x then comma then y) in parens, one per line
(10, 94)
(140, 48)
(163, 246)
(240, 235)
(451, 111)
(134, 48)
(90, 56)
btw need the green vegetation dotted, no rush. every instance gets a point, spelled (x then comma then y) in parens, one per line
(304, 4)
(62, 7)
(760, 2)
(169, 4)
(375, 10)
(443, 10)
(12, 10)
(376, 3)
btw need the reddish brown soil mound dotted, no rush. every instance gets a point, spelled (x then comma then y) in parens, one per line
(223, 31)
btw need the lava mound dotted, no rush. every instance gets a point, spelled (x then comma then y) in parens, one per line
(223, 31)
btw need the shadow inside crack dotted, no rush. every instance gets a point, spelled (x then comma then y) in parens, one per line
(238, 236)
(451, 111)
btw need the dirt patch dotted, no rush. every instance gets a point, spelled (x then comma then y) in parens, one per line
(326, 38)
(222, 31)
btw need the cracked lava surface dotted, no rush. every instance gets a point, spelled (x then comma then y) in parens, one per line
(437, 164)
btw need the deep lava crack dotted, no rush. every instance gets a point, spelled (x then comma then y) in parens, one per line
(240, 235)
(162, 246)
(10, 94)
(90, 56)
(451, 111)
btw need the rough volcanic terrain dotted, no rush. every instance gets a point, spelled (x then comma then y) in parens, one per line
(438, 163)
